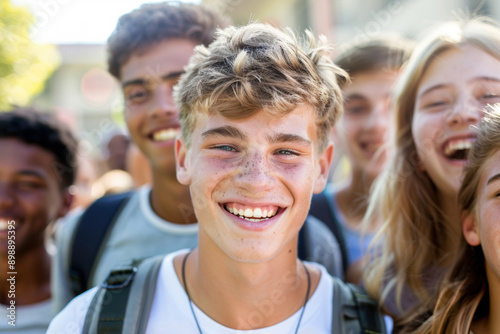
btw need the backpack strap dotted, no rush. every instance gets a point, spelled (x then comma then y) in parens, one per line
(354, 312)
(303, 250)
(322, 209)
(110, 312)
(369, 316)
(92, 230)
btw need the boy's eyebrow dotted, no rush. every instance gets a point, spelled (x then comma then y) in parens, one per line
(224, 131)
(134, 82)
(354, 96)
(287, 138)
(142, 81)
(173, 75)
(28, 172)
(493, 178)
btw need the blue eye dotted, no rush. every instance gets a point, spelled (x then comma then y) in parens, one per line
(287, 152)
(225, 148)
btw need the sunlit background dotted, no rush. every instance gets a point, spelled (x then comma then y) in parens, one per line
(52, 52)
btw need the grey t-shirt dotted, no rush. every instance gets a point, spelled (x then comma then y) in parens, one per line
(138, 233)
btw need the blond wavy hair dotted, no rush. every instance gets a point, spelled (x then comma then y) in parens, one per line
(410, 240)
(259, 67)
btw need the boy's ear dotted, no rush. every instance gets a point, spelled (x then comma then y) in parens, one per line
(181, 162)
(325, 159)
(470, 229)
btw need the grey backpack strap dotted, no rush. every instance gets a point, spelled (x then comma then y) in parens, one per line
(142, 293)
(354, 312)
(123, 302)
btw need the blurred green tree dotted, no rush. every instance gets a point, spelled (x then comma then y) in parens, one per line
(24, 65)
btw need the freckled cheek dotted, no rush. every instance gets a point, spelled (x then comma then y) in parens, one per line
(299, 174)
(212, 170)
(490, 235)
(491, 250)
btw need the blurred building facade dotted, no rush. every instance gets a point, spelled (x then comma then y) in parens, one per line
(82, 91)
(84, 94)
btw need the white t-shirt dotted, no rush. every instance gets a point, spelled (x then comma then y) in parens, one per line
(137, 233)
(170, 312)
(29, 319)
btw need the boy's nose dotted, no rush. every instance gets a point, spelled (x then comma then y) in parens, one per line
(255, 174)
(163, 102)
(379, 116)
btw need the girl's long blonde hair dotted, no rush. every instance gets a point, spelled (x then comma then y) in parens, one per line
(410, 239)
(464, 295)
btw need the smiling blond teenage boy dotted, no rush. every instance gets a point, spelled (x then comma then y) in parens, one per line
(256, 109)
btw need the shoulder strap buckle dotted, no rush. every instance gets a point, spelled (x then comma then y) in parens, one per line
(119, 278)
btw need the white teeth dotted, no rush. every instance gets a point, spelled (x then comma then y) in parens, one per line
(256, 220)
(454, 146)
(254, 215)
(164, 135)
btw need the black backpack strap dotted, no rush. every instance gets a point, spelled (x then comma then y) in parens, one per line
(354, 312)
(111, 313)
(369, 316)
(322, 209)
(303, 243)
(90, 233)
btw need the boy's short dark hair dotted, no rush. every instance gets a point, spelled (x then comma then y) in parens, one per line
(386, 52)
(151, 24)
(45, 131)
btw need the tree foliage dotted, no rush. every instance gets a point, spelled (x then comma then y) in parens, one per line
(24, 65)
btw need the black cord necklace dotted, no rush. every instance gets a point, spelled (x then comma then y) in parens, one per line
(191, 303)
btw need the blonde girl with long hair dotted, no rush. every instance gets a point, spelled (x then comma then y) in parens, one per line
(450, 77)
(470, 296)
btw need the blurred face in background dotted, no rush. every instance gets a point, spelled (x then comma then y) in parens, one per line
(364, 130)
(30, 194)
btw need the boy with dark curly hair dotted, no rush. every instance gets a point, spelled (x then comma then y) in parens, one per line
(37, 166)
